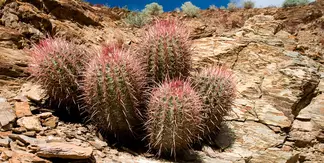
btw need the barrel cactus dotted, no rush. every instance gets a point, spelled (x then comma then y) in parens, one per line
(175, 117)
(57, 65)
(113, 85)
(165, 50)
(217, 89)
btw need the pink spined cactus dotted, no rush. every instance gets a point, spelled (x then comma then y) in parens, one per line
(216, 85)
(113, 87)
(175, 117)
(165, 50)
(57, 65)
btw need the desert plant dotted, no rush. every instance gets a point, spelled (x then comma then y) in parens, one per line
(153, 9)
(178, 10)
(222, 8)
(57, 64)
(216, 87)
(175, 117)
(231, 6)
(2, 2)
(113, 85)
(291, 3)
(165, 50)
(248, 4)
(190, 9)
(137, 19)
(212, 7)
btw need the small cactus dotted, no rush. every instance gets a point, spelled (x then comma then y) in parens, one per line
(57, 65)
(166, 51)
(217, 88)
(113, 86)
(175, 117)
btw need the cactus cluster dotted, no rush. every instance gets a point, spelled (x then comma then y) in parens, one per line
(113, 85)
(57, 64)
(175, 117)
(179, 108)
(165, 51)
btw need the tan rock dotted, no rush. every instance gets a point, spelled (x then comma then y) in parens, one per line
(24, 157)
(50, 122)
(7, 114)
(22, 109)
(30, 123)
(63, 150)
(33, 92)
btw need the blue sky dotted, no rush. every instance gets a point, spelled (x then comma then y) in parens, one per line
(169, 5)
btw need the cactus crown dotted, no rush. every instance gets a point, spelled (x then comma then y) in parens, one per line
(57, 64)
(113, 85)
(166, 51)
(174, 117)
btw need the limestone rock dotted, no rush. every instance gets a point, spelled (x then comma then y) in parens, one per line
(30, 123)
(63, 150)
(22, 109)
(7, 114)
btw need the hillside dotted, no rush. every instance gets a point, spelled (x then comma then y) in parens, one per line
(276, 54)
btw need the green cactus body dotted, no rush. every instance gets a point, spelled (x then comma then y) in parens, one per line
(57, 65)
(174, 117)
(166, 51)
(217, 88)
(113, 87)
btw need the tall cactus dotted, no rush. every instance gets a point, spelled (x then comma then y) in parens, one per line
(57, 64)
(113, 88)
(217, 88)
(166, 51)
(175, 117)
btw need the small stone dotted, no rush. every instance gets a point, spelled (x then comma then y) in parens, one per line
(30, 123)
(64, 151)
(7, 114)
(51, 139)
(5, 134)
(6, 154)
(22, 109)
(98, 144)
(19, 130)
(4, 142)
(44, 115)
(50, 122)
(33, 92)
(30, 133)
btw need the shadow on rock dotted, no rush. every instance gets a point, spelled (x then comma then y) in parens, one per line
(223, 139)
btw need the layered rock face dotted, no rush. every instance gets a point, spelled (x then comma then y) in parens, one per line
(276, 55)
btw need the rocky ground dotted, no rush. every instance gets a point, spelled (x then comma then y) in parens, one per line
(276, 54)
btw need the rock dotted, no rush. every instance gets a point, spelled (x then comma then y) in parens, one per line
(5, 154)
(24, 157)
(64, 151)
(22, 109)
(50, 122)
(19, 130)
(262, 25)
(30, 123)
(33, 92)
(7, 114)
(30, 133)
(27, 140)
(4, 142)
(10, 38)
(98, 144)
(44, 115)
(275, 155)
(13, 63)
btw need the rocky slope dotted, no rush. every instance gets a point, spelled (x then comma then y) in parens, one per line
(276, 54)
